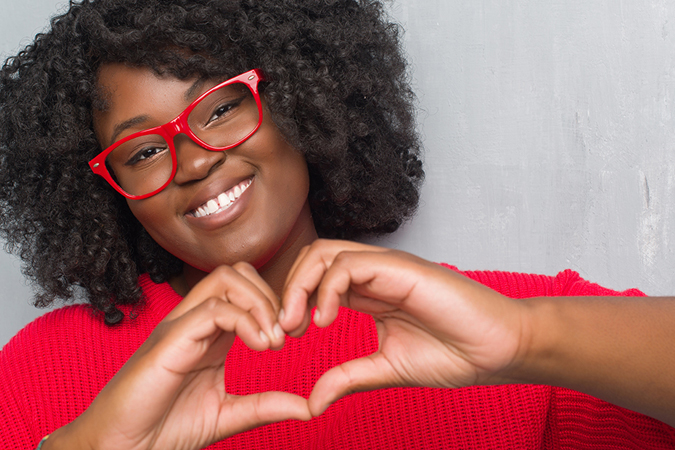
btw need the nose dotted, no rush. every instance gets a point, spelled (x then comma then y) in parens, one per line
(194, 162)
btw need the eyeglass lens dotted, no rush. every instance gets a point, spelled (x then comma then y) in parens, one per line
(221, 119)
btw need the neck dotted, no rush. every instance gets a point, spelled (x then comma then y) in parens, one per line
(273, 271)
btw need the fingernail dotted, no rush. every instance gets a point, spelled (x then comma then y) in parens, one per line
(282, 314)
(278, 332)
(317, 315)
(264, 337)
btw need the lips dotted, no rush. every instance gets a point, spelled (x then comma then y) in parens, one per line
(222, 201)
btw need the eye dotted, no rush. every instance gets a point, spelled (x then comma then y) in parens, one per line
(224, 110)
(145, 154)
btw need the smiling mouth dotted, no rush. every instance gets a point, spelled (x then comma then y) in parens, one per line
(222, 201)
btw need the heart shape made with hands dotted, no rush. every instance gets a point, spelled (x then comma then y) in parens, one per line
(432, 325)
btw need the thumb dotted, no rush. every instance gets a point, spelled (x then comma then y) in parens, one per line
(254, 410)
(363, 374)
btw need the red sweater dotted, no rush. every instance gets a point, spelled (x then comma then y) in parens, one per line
(52, 370)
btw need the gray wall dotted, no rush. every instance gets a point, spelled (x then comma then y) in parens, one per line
(548, 129)
(19, 22)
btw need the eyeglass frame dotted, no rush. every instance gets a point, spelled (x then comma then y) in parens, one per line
(179, 125)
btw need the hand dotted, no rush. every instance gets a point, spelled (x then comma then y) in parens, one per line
(171, 392)
(436, 328)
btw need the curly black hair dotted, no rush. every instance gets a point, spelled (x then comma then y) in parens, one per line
(338, 90)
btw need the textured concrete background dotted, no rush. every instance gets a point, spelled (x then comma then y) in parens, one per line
(549, 136)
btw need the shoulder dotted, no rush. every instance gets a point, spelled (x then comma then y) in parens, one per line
(65, 342)
(80, 325)
(54, 367)
(38, 363)
(524, 285)
(52, 328)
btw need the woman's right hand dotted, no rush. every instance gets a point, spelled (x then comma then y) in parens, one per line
(171, 393)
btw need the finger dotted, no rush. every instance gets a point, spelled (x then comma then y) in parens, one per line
(306, 274)
(189, 337)
(302, 279)
(358, 375)
(215, 284)
(252, 275)
(245, 413)
(306, 318)
(229, 285)
(160, 366)
(428, 293)
(332, 292)
(370, 282)
(324, 250)
(301, 256)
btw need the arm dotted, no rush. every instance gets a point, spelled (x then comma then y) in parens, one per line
(618, 349)
(440, 329)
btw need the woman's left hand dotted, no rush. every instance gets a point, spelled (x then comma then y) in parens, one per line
(436, 328)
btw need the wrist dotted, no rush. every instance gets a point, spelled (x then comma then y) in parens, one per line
(536, 355)
(65, 438)
(558, 349)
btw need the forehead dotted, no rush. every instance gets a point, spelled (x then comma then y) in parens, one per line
(118, 84)
(129, 95)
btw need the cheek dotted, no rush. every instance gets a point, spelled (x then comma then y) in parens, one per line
(166, 231)
(142, 210)
(292, 185)
(296, 174)
(290, 168)
(154, 217)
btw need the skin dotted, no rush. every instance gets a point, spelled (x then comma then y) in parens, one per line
(258, 273)
(235, 265)
(439, 329)
(268, 233)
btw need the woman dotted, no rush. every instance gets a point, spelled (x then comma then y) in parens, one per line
(228, 137)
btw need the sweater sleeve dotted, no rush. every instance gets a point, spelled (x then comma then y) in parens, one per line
(526, 285)
(581, 421)
(576, 420)
(51, 371)
(17, 425)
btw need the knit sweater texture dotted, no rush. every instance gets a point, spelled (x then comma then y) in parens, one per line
(51, 371)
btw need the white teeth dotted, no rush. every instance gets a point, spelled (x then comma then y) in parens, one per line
(212, 206)
(223, 201)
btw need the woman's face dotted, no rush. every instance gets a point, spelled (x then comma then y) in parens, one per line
(269, 221)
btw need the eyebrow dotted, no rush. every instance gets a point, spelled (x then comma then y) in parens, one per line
(126, 124)
(190, 93)
(188, 96)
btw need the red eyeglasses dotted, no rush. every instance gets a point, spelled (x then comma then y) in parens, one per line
(144, 163)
